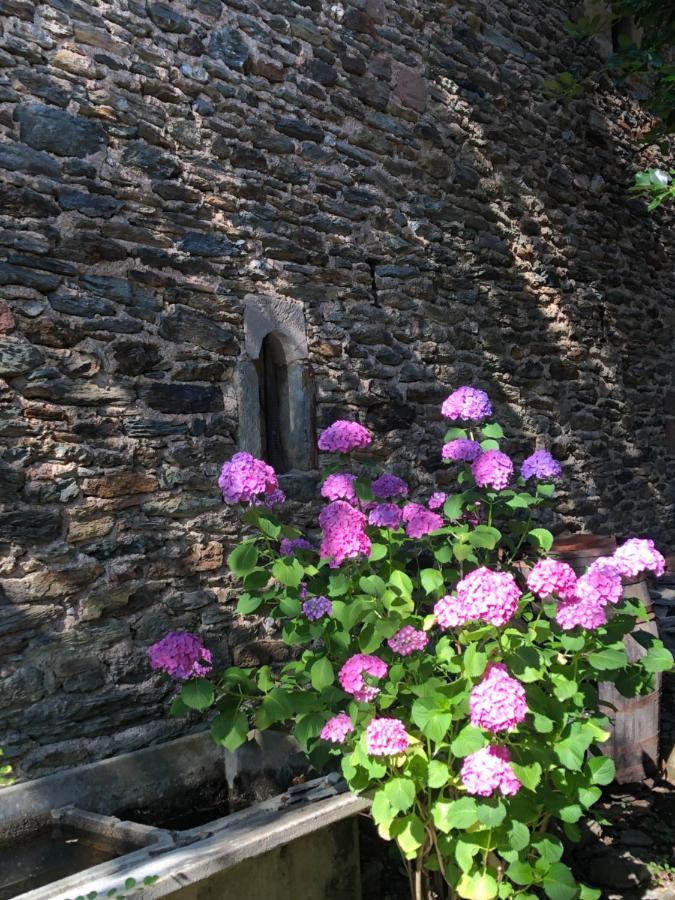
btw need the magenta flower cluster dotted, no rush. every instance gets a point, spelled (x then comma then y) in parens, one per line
(638, 555)
(492, 469)
(386, 515)
(498, 702)
(340, 486)
(489, 770)
(316, 608)
(181, 655)
(420, 521)
(386, 737)
(468, 405)
(352, 672)
(344, 536)
(552, 577)
(541, 466)
(437, 500)
(336, 729)
(343, 437)
(245, 479)
(461, 450)
(408, 640)
(483, 596)
(387, 486)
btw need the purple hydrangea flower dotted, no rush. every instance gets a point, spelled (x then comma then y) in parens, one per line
(385, 515)
(461, 450)
(340, 486)
(181, 655)
(387, 486)
(492, 469)
(288, 546)
(420, 521)
(343, 436)
(336, 729)
(541, 466)
(437, 500)
(316, 608)
(467, 404)
(245, 479)
(343, 533)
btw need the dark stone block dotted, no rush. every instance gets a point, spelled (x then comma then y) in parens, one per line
(149, 428)
(94, 205)
(150, 159)
(11, 481)
(303, 131)
(29, 526)
(118, 325)
(184, 324)
(321, 72)
(25, 202)
(168, 19)
(465, 176)
(20, 158)
(228, 45)
(81, 305)
(135, 357)
(197, 244)
(40, 281)
(183, 398)
(169, 190)
(119, 289)
(18, 357)
(54, 130)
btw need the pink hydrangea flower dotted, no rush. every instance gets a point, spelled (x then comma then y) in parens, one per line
(340, 486)
(498, 702)
(245, 479)
(437, 500)
(488, 770)
(343, 436)
(408, 640)
(571, 613)
(552, 576)
(420, 521)
(336, 729)
(484, 596)
(288, 546)
(343, 533)
(385, 515)
(541, 466)
(492, 469)
(638, 555)
(449, 613)
(468, 404)
(387, 486)
(600, 584)
(316, 608)
(351, 676)
(181, 655)
(386, 737)
(461, 450)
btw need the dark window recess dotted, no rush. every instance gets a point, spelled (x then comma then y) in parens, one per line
(622, 33)
(274, 403)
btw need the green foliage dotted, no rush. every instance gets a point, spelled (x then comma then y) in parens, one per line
(5, 773)
(485, 847)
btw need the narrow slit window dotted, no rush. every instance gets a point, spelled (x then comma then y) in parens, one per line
(274, 404)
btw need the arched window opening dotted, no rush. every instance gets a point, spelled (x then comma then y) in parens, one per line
(273, 392)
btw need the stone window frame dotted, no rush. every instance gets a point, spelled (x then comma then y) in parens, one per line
(266, 315)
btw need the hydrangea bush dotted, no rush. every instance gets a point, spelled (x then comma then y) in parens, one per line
(437, 653)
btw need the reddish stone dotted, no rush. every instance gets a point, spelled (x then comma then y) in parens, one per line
(410, 87)
(7, 323)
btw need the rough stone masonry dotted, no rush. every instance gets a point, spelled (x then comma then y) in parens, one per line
(396, 167)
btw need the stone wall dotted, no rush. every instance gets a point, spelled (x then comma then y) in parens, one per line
(394, 166)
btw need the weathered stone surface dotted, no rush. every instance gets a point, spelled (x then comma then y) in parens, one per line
(229, 46)
(188, 326)
(59, 132)
(32, 526)
(119, 483)
(151, 160)
(168, 19)
(199, 244)
(19, 158)
(17, 357)
(182, 398)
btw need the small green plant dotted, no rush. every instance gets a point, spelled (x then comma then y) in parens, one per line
(564, 87)
(130, 888)
(656, 185)
(5, 774)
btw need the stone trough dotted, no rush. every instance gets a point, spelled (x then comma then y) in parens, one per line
(301, 842)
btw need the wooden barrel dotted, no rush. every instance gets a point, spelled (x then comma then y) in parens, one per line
(634, 742)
